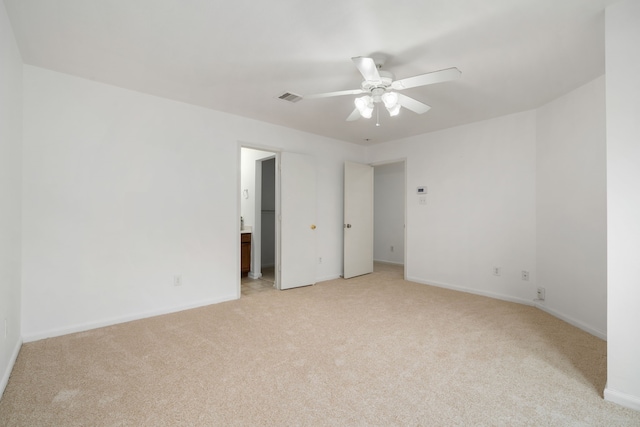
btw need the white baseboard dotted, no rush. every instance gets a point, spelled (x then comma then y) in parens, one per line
(116, 320)
(12, 361)
(622, 399)
(535, 303)
(578, 324)
(471, 291)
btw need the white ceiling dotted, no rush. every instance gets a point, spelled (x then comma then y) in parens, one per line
(238, 56)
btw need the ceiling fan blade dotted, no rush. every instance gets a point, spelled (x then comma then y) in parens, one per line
(367, 68)
(413, 105)
(427, 79)
(330, 94)
(355, 115)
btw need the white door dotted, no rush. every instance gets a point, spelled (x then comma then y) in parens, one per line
(358, 219)
(297, 221)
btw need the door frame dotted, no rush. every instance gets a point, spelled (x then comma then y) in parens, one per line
(276, 152)
(406, 174)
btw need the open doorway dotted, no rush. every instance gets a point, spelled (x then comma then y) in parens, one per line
(295, 253)
(389, 216)
(258, 216)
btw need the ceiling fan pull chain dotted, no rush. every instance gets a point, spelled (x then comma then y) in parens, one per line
(377, 115)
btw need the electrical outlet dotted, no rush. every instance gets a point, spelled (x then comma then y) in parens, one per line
(391, 248)
(177, 280)
(496, 271)
(320, 260)
(541, 294)
(525, 275)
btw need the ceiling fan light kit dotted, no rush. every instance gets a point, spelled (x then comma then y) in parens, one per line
(379, 87)
(365, 106)
(391, 103)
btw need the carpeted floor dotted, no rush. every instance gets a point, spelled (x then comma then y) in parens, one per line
(370, 351)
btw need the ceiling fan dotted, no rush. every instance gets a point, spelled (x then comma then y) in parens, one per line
(379, 86)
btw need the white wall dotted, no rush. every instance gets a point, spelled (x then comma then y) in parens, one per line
(480, 209)
(571, 207)
(623, 202)
(388, 212)
(10, 195)
(123, 190)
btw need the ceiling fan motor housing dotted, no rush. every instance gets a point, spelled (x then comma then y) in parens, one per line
(378, 87)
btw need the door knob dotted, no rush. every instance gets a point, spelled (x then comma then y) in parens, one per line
(348, 225)
(313, 226)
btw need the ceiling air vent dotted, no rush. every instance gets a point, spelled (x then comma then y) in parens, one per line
(291, 97)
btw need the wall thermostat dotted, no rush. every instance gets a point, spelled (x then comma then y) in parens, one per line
(422, 190)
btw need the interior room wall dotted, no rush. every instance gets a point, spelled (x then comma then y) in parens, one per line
(623, 202)
(10, 197)
(480, 207)
(388, 212)
(571, 208)
(123, 191)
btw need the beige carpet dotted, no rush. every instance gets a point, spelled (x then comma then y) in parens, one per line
(370, 351)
